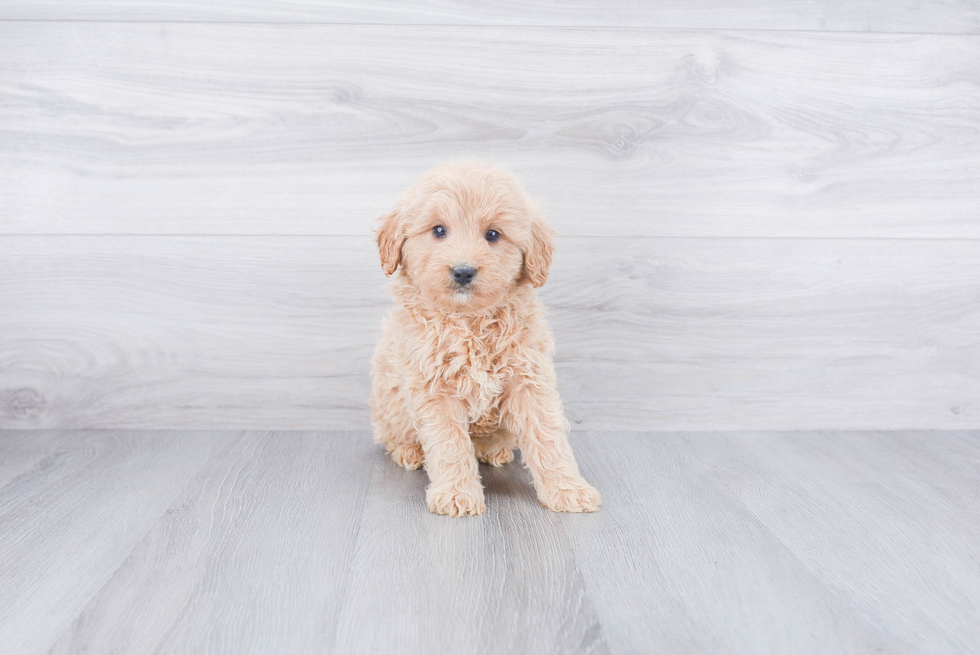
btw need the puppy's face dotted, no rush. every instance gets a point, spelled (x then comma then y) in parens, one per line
(466, 236)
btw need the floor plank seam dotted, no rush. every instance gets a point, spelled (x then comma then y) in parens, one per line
(351, 550)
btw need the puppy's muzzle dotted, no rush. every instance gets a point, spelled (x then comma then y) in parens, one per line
(463, 275)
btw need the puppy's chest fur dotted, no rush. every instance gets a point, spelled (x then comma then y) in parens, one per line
(478, 359)
(477, 363)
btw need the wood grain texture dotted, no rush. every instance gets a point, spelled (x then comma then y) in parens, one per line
(250, 557)
(688, 334)
(671, 552)
(214, 331)
(861, 15)
(67, 523)
(909, 559)
(507, 582)
(131, 128)
(783, 542)
(757, 542)
(23, 451)
(769, 333)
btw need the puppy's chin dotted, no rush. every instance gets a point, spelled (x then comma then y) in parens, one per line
(460, 300)
(464, 300)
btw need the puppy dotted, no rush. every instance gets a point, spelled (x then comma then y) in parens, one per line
(463, 371)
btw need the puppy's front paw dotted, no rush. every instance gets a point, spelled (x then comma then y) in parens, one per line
(455, 502)
(570, 496)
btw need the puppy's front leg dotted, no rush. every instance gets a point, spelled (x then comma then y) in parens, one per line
(454, 475)
(534, 414)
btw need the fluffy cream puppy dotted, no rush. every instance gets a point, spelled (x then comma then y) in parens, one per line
(463, 371)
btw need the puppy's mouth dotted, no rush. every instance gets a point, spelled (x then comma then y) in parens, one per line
(462, 294)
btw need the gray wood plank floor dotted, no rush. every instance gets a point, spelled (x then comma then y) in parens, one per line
(233, 542)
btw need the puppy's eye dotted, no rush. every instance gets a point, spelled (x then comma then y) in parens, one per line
(492, 235)
(439, 232)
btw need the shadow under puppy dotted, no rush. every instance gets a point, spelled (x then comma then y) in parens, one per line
(463, 371)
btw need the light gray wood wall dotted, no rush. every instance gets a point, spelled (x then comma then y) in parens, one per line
(150, 128)
(944, 16)
(770, 212)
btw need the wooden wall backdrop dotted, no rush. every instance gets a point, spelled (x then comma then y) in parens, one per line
(769, 211)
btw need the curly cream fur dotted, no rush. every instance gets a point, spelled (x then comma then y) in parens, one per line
(463, 374)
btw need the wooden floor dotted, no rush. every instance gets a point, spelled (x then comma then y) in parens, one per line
(307, 542)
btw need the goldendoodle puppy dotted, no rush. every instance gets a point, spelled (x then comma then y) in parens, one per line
(463, 371)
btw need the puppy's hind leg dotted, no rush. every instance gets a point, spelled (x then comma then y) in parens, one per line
(393, 427)
(407, 455)
(496, 448)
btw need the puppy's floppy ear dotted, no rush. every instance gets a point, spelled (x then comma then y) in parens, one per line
(390, 240)
(537, 257)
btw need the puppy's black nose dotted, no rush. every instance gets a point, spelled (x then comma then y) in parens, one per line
(463, 274)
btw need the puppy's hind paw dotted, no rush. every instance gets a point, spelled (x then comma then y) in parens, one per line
(579, 496)
(496, 457)
(451, 502)
(408, 456)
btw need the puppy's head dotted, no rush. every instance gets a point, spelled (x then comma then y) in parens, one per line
(466, 235)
